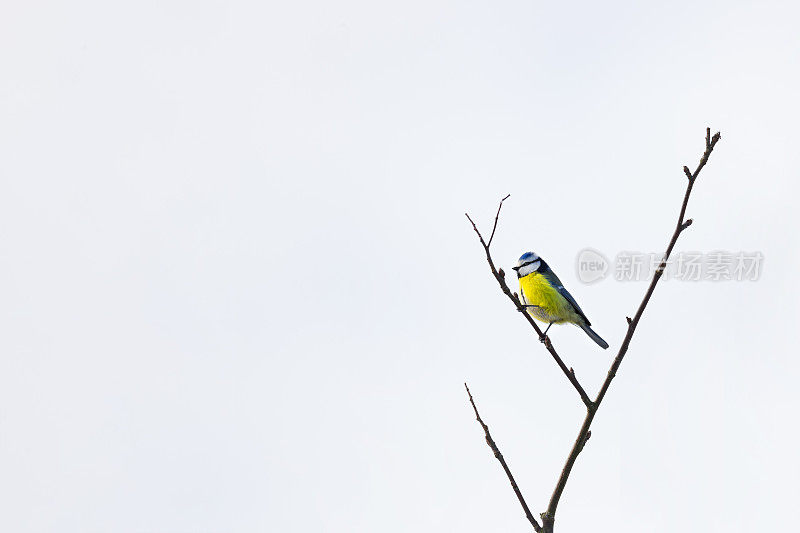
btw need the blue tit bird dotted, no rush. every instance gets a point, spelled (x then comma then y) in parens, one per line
(546, 299)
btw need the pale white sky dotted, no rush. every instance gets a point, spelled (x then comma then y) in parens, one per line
(239, 293)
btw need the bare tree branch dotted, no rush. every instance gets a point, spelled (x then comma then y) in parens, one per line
(493, 446)
(501, 279)
(496, 218)
(548, 518)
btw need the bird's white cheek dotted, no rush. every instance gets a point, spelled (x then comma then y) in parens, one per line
(527, 269)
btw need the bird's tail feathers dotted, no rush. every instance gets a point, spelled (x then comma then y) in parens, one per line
(594, 336)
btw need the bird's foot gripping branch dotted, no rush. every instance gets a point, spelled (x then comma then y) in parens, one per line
(543, 296)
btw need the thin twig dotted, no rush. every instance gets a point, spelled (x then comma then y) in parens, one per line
(500, 277)
(499, 456)
(548, 518)
(496, 217)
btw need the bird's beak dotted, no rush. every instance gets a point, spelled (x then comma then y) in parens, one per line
(515, 268)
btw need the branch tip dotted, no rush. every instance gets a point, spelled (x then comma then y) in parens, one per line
(687, 172)
(496, 217)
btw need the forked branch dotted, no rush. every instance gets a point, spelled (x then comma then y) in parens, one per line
(500, 276)
(548, 517)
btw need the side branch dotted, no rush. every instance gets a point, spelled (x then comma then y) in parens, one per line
(501, 279)
(548, 517)
(499, 456)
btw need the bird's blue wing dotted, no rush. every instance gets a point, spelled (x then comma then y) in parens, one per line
(556, 283)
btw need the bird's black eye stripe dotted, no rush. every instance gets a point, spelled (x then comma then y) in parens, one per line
(525, 264)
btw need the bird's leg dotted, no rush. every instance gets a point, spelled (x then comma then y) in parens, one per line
(543, 338)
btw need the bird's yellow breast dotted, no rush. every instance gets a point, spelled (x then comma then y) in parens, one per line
(550, 305)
